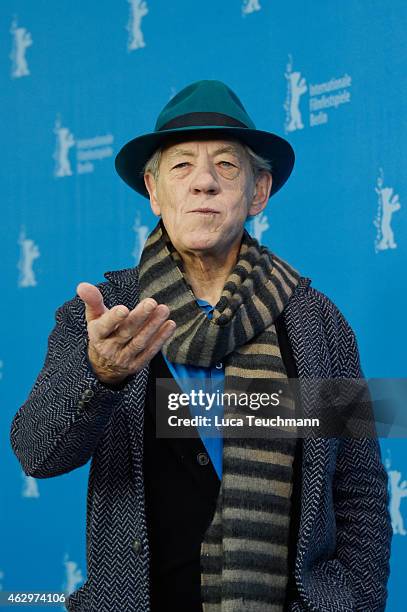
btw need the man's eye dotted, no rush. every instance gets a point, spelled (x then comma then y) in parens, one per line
(226, 162)
(181, 164)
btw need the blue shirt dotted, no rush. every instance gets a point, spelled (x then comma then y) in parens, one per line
(212, 380)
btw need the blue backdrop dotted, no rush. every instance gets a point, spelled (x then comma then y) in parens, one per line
(77, 81)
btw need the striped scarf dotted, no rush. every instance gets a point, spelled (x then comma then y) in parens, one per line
(244, 553)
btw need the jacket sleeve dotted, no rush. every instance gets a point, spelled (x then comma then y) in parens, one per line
(360, 493)
(59, 426)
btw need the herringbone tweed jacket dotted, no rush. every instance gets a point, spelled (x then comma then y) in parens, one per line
(343, 548)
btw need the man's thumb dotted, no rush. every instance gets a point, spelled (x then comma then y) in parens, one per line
(94, 306)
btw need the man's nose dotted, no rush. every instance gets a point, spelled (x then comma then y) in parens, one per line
(205, 178)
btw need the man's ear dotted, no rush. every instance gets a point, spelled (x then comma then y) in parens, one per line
(151, 187)
(261, 193)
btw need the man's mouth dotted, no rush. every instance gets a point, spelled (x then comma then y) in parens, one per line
(205, 210)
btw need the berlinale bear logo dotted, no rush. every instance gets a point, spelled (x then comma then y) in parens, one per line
(21, 41)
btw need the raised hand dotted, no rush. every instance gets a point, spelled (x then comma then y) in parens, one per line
(123, 341)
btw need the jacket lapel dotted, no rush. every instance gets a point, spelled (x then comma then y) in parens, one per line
(305, 340)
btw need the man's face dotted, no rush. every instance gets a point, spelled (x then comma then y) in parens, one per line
(204, 192)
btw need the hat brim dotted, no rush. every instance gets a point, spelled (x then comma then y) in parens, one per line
(132, 157)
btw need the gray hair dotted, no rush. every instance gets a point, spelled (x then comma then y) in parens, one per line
(258, 164)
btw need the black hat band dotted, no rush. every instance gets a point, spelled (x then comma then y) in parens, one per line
(198, 119)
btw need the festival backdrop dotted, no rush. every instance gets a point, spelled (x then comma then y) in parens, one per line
(80, 79)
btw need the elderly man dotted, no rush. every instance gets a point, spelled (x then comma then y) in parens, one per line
(207, 523)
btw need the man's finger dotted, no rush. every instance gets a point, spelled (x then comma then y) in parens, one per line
(140, 330)
(113, 324)
(143, 320)
(156, 342)
(94, 306)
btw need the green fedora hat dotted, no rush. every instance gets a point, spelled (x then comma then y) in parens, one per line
(204, 109)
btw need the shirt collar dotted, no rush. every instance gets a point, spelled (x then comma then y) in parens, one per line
(204, 304)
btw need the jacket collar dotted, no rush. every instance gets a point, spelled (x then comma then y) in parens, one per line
(122, 278)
